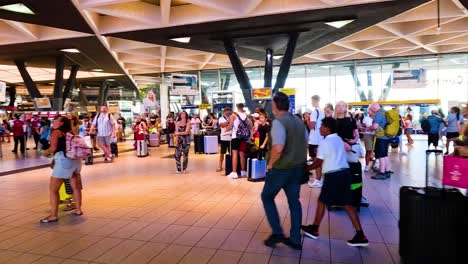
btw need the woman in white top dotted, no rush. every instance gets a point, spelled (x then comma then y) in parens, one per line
(195, 124)
(368, 138)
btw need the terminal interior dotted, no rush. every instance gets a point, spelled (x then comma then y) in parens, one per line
(69, 57)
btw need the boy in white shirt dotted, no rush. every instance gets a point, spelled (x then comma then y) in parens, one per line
(336, 189)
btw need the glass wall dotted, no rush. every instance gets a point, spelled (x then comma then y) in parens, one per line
(358, 81)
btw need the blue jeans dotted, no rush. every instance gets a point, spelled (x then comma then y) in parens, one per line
(288, 180)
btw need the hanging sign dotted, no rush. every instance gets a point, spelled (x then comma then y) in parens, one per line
(2, 92)
(184, 84)
(291, 93)
(260, 94)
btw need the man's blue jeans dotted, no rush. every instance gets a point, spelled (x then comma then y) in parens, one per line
(289, 180)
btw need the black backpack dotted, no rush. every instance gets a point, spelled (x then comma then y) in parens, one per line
(426, 126)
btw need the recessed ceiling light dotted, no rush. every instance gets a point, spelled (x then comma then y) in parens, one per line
(430, 59)
(97, 70)
(339, 24)
(110, 80)
(18, 8)
(70, 50)
(325, 66)
(182, 40)
(277, 57)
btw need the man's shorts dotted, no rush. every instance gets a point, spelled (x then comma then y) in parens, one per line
(225, 147)
(313, 151)
(64, 168)
(381, 148)
(336, 189)
(368, 142)
(433, 139)
(451, 135)
(104, 140)
(239, 144)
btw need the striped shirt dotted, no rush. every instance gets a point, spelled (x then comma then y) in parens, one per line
(104, 124)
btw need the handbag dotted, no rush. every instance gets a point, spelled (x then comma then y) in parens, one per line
(455, 172)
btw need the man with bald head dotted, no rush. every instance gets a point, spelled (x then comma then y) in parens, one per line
(381, 143)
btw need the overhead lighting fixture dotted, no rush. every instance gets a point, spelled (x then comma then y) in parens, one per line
(18, 8)
(277, 57)
(110, 80)
(339, 24)
(70, 50)
(182, 40)
(97, 70)
(325, 66)
(430, 59)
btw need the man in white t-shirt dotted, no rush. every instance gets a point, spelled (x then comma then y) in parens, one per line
(104, 123)
(315, 138)
(336, 190)
(223, 123)
(240, 126)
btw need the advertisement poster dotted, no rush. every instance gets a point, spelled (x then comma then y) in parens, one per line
(184, 84)
(151, 103)
(291, 93)
(260, 94)
(42, 103)
(412, 78)
(2, 92)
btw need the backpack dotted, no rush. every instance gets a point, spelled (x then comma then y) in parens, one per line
(76, 147)
(243, 130)
(426, 126)
(393, 123)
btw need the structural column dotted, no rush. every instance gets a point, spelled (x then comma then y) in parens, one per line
(58, 86)
(267, 78)
(71, 82)
(12, 94)
(286, 62)
(28, 82)
(103, 92)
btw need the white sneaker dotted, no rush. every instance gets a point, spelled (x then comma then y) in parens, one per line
(315, 184)
(243, 174)
(233, 175)
(366, 168)
(403, 153)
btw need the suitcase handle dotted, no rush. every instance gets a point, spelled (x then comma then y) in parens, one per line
(436, 151)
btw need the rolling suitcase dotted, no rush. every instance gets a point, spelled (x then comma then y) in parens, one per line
(228, 165)
(433, 223)
(114, 149)
(154, 139)
(198, 143)
(356, 184)
(142, 148)
(210, 144)
(256, 169)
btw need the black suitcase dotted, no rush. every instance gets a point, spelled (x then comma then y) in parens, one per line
(199, 144)
(433, 223)
(356, 184)
(114, 149)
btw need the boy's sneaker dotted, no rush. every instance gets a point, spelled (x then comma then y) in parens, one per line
(243, 174)
(311, 231)
(315, 184)
(359, 240)
(388, 174)
(379, 176)
(366, 168)
(273, 239)
(233, 175)
(288, 242)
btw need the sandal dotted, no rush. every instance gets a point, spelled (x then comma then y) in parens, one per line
(77, 214)
(219, 169)
(46, 221)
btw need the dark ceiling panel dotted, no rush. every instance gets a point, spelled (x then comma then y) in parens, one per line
(251, 34)
(42, 54)
(52, 13)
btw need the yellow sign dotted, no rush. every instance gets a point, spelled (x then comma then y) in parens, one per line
(261, 93)
(288, 91)
(204, 106)
(91, 108)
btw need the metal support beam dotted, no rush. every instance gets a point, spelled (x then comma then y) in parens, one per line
(28, 81)
(58, 86)
(286, 62)
(240, 73)
(267, 78)
(71, 82)
(83, 99)
(103, 91)
(12, 94)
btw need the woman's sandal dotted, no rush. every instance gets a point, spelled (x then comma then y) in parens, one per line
(219, 169)
(77, 214)
(46, 221)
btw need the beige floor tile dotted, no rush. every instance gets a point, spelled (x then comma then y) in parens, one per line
(237, 241)
(171, 217)
(171, 255)
(254, 258)
(55, 244)
(283, 260)
(76, 247)
(6, 255)
(145, 253)
(97, 249)
(190, 218)
(214, 238)
(256, 244)
(111, 227)
(25, 258)
(150, 231)
(191, 236)
(120, 252)
(21, 238)
(38, 241)
(198, 256)
(226, 257)
(169, 234)
(12, 232)
(74, 261)
(129, 230)
(49, 260)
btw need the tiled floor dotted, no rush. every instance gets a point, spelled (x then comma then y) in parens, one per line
(138, 211)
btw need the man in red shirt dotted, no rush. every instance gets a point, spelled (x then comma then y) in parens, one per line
(18, 134)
